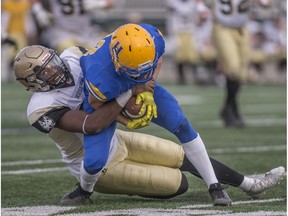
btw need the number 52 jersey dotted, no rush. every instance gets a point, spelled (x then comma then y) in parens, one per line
(231, 13)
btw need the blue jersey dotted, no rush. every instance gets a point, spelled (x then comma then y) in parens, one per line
(101, 80)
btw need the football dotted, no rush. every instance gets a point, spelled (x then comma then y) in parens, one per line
(131, 110)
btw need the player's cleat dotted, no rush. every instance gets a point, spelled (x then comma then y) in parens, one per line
(231, 118)
(219, 195)
(227, 116)
(270, 179)
(77, 197)
(239, 123)
(238, 120)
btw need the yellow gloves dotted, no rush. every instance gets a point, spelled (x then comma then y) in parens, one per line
(148, 105)
(138, 123)
(148, 108)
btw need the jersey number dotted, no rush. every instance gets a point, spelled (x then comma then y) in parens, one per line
(227, 6)
(68, 8)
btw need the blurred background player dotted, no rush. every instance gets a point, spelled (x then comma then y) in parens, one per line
(180, 28)
(231, 39)
(207, 56)
(67, 23)
(189, 27)
(232, 42)
(16, 32)
(267, 28)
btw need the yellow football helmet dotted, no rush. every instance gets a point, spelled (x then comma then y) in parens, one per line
(40, 69)
(133, 53)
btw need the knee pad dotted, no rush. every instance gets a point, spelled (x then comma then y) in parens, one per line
(97, 149)
(94, 166)
(140, 179)
(185, 132)
(148, 149)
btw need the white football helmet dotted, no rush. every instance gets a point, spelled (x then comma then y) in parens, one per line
(40, 69)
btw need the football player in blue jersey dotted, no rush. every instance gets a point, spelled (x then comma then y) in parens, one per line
(130, 56)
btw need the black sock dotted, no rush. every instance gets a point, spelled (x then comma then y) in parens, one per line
(232, 89)
(223, 173)
(180, 68)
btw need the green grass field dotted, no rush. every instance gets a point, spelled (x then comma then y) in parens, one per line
(34, 178)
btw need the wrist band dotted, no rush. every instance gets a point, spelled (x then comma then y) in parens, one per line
(83, 125)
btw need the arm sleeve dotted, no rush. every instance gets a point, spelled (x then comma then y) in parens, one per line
(45, 122)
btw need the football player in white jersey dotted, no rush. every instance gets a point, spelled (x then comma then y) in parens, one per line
(231, 39)
(180, 28)
(68, 23)
(232, 43)
(189, 26)
(55, 109)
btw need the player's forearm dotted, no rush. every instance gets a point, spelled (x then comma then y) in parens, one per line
(79, 121)
(102, 117)
(122, 119)
(82, 122)
(105, 113)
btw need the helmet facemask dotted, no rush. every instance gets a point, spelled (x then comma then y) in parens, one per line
(50, 74)
(143, 74)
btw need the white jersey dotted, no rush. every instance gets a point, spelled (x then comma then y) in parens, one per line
(70, 15)
(181, 16)
(71, 97)
(71, 22)
(46, 108)
(203, 35)
(231, 13)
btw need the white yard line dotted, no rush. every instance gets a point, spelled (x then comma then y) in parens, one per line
(203, 209)
(31, 171)
(56, 169)
(248, 149)
(238, 203)
(31, 162)
(267, 122)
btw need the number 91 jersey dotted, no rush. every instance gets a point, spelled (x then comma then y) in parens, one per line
(231, 13)
(70, 14)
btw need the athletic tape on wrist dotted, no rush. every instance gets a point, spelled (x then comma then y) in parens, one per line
(124, 97)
